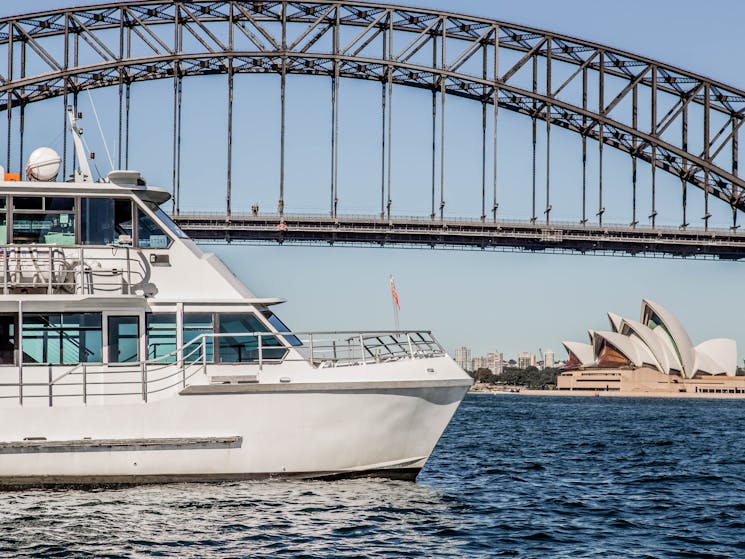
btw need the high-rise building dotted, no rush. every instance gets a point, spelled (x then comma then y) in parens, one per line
(549, 359)
(463, 357)
(533, 360)
(479, 362)
(524, 360)
(491, 361)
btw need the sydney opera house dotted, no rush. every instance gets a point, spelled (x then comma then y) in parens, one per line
(653, 355)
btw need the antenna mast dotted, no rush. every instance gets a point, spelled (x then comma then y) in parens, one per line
(84, 173)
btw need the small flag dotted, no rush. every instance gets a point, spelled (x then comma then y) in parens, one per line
(394, 294)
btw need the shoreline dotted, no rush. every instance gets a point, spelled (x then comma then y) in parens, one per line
(605, 394)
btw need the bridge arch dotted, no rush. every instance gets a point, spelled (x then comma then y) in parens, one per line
(600, 95)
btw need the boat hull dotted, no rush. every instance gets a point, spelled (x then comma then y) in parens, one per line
(232, 432)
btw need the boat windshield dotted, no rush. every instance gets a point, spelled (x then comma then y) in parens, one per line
(167, 221)
(281, 327)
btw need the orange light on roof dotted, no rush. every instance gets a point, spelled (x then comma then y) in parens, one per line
(12, 177)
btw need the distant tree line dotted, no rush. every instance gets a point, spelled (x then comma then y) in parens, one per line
(531, 377)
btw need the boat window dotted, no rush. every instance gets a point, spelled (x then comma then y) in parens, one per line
(8, 340)
(103, 220)
(59, 204)
(40, 220)
(161, 336)
(28, 203)
(242, 348)
(149, 234)
(167, 221)
(196, 324)
(49, 229)
(62, 339)
(124, 339)
(280, 327)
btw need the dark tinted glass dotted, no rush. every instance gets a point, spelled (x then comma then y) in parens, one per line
(28, 202)
(280, 327)
(242, 347)
(149, 234)
(59, 204)
(7, 340)
(103, 220)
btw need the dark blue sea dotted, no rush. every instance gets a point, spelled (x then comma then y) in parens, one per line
(512, 477)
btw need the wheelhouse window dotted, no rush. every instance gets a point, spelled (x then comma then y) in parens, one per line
(161, 336)
(167, 221)
(62, 339)
(241, 348)
(104, 220)
(196, 324)
(43, 220)
(149, 233)
(124, 339)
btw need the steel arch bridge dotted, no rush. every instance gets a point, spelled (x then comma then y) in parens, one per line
(672, 121)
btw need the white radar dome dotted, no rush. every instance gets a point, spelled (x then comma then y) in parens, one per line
(43, 165)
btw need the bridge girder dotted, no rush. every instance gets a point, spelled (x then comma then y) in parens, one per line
(127, 42)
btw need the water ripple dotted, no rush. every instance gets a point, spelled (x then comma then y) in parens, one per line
(512, 477)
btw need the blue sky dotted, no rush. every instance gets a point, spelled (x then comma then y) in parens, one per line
(509, 302)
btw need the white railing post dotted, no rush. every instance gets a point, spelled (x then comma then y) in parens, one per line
(51, 271)
(411, 347)
(81, 275)
(261, 353)
(5, 271)
(312, 360)
(49, 381)
(129, 273)
(143, 378)
(20, 352)
(204, 354)
(362, 349)
(85, 384)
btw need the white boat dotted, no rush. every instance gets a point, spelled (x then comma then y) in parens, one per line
(128, 355)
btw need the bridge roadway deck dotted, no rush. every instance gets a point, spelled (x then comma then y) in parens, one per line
(454, 233)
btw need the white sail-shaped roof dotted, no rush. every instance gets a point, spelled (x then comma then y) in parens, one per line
(615, 321)
(655, 316)
(663, 354)
(582, 352)
(658, 341)
(622, 343)
(717, 357)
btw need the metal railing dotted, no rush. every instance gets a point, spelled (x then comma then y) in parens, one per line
(74, 270)
(174, 371)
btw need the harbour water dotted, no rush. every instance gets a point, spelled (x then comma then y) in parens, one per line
(512, 477)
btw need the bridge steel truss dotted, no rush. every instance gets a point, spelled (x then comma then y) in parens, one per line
(675, 121)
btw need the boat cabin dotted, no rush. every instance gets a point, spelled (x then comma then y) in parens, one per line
(99, 273)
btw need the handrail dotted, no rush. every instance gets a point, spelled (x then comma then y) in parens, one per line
(320, 350)
(69, 268)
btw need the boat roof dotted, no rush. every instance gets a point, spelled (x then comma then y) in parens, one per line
(147, 193)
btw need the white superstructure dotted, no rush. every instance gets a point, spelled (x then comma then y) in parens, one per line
(128, 355)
